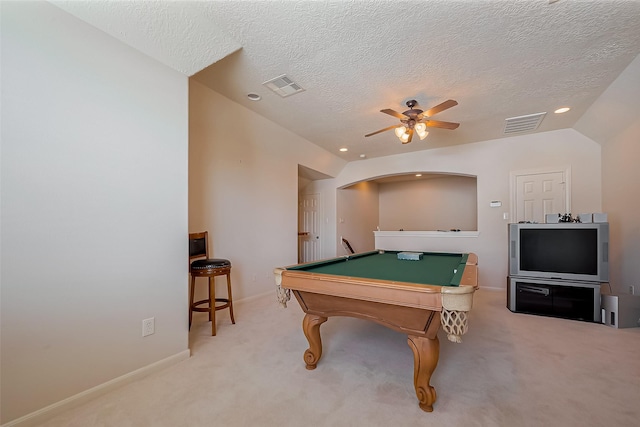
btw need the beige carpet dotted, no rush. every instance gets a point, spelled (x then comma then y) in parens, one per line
(510, 370)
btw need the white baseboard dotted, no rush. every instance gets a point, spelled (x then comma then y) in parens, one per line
(493, 289)
(257, 296)
(42, 415)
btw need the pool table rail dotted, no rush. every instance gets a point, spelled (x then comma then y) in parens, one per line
(374, 290)
(425, 296)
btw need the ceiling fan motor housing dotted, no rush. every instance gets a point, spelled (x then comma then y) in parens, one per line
(412, 113)
(414, 116)
(410, 124)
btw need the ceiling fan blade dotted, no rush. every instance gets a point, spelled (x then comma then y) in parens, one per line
(440, 124)
(394, 114)
(382, 130)
(410, 136)
(440, 107)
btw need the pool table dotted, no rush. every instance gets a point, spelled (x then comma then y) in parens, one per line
(410, 296)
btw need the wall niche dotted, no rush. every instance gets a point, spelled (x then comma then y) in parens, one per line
(418, 201)
(431, 201)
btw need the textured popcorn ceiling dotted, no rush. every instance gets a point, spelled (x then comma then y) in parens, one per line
(182, 35)
(498, 59)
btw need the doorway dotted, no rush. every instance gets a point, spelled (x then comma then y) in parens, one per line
(310, 225)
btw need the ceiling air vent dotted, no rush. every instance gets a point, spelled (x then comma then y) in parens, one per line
(283, 86)
(523, 123)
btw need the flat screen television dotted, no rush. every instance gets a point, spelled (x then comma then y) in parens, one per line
(565, 251)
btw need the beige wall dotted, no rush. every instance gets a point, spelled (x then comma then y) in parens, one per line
(95, 155)
(561, 149)
(614, 121)
(357, 210)
(429, 204)
(94, 208)
(243, 186)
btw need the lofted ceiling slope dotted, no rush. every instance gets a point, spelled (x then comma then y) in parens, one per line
(498, 59)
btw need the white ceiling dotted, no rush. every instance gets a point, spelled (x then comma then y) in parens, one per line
(498, 59)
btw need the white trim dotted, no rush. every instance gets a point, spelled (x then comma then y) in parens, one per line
(48, 412)
(425, 234)
(251, 298)
(490, 288)
(513, 175)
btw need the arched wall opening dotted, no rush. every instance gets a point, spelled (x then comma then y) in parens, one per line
(421, 201)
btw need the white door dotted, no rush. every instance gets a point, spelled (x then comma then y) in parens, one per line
(538, 194)
(308, 228)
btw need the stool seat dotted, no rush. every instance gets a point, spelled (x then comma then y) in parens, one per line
(208, 264)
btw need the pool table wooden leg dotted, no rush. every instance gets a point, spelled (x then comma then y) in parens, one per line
(311, 327)
(425, 359)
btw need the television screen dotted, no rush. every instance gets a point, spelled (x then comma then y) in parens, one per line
(566, 250)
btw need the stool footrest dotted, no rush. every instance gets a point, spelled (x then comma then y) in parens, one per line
(194, 306)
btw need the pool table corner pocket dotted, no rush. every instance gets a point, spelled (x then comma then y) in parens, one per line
(456, 304)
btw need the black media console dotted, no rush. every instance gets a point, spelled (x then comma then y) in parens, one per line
(559, 298)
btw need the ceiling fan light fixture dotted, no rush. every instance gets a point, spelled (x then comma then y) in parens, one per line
(421, 130)
(413, 121)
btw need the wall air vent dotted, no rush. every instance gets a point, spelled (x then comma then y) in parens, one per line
(283, 86)
(523, 123)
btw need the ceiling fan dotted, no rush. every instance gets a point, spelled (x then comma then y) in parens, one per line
(416, 120)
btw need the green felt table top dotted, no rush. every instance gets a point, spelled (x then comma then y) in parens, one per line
(435, 268)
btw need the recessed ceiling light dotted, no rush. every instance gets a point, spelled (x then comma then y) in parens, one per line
(418, 174)
(562, 110)
(344, 149)
(254, 97)
(362, 156)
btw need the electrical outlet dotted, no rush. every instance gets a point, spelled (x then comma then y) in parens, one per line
(148, 326)
(632, 290)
